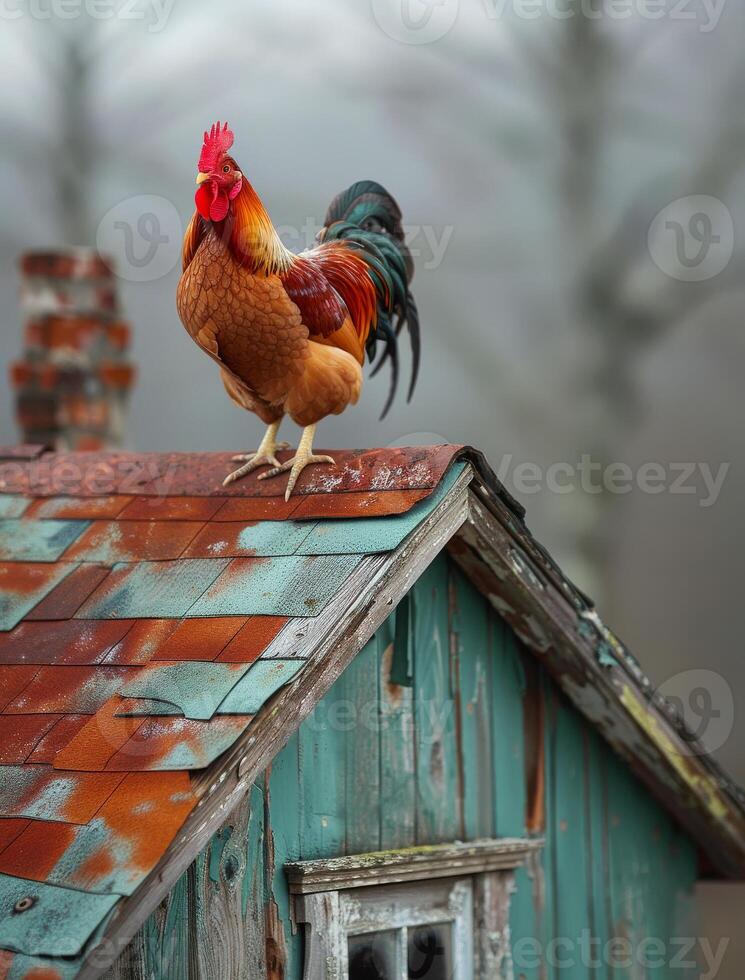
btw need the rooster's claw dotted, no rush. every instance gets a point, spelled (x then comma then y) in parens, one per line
(265, 455)
(296, 465)
(250, 457)
(254, 462)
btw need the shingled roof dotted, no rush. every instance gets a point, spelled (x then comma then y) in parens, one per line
(160, 635)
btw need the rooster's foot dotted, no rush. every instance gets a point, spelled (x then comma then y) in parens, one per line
(265, 455)
(296, 465)
(265, 459)
(304, 457)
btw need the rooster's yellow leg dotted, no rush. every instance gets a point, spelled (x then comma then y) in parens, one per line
(302, 458)
(265, 455)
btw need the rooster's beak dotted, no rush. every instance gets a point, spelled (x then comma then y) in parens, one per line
(201, 178)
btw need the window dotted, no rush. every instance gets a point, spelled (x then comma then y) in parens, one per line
(431, 913)
(405, 932)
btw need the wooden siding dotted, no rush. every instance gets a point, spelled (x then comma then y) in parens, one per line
(481, 743)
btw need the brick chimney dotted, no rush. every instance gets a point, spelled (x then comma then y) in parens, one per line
(73, 381)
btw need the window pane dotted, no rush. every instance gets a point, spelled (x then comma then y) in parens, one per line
(374, 956)
(431, 952)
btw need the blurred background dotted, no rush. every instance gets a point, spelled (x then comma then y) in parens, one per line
(572, 176)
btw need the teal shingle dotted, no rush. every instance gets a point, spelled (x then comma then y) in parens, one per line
(257, 686)
(293, 585)
(11, 505)
(253, 685)
(58, 922)
(152, 589)
(195, 687)
(23, 586)
(22, 540)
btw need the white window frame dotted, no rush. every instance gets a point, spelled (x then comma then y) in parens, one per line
(468, 885)
(401, 907)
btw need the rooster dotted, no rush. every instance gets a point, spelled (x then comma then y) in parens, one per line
(290, 332)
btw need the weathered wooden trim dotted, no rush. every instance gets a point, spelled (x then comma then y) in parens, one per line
(325, 940)
(494, 891)
(333, 639)
(599, 676)
(409, 864)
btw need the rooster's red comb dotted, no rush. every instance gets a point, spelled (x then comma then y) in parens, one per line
(216, 142)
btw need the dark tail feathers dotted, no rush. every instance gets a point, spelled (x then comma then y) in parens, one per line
(368, 216)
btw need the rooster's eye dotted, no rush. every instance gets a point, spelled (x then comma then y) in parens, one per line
(226, 169)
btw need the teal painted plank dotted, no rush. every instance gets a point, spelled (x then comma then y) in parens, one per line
(652, 872)
(283, 829)
(285, 586)
(24, 586)
(152, 589)
(472, 669)
(597, 826)
(374, 534)
(171, 951)
(547, 917)
(569, 835)
(37, 540)
(397, 747)
(253, 885)
(439, 814)
(11, 505)
(58, 922)
(143, 957)
(360, 702)
(323, 782)
(629, 869)
(196, 688)
(507, 680)
(508, 689)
